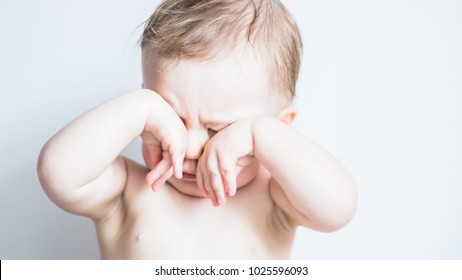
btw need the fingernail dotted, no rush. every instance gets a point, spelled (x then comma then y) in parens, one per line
(148, 181)
(215, 201)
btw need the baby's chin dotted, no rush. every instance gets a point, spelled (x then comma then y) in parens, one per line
(189, 187)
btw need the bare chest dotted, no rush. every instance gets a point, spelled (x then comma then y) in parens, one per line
(171, 225)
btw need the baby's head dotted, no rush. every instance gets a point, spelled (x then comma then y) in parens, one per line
(204, 30)
(219, 61)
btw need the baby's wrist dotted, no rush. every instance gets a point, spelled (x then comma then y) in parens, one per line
(148, 103)
(264, 129)
(261, 124)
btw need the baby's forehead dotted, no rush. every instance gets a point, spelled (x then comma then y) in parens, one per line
(238, 70)
(243, 52)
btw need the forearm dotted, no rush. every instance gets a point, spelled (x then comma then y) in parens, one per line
(315, 183)
(82, 150)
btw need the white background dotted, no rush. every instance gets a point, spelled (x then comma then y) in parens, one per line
(380, 88)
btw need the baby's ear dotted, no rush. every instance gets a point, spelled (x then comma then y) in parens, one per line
(288, 114)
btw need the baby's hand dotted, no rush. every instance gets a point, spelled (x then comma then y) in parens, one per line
(226, 154)
(164, 144)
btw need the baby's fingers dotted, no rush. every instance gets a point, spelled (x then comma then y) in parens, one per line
(229, 179)
(159, 171)
(178, 165)
(177, 154)
(200, 185)
(206, 182)
(163, 178)
(216, 182)
(227, 170)
(217, 185)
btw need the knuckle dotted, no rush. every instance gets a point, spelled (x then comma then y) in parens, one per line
(226, 173)
(215, 178)
(210, 163)
(225, 168)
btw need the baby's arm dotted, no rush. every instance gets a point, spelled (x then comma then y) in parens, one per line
(308, 183)
(79, 167)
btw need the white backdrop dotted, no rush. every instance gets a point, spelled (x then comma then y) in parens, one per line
(380, 88)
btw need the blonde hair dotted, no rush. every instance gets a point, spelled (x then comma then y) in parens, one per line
(201, 29)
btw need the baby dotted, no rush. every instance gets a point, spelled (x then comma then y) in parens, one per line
(226, 177)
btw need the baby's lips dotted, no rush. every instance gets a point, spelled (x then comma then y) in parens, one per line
(189, 176)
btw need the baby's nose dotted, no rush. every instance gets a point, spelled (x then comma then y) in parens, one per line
(196, 144)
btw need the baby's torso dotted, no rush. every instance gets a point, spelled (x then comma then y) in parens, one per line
(171, 225)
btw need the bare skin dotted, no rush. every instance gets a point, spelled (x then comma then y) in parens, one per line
(226, 177)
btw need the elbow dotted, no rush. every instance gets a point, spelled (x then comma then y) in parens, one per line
(332, 222)
(339, 220)
(48, 172)
(335, 215)
(341, 212)
(45, 170)
(50, 175)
